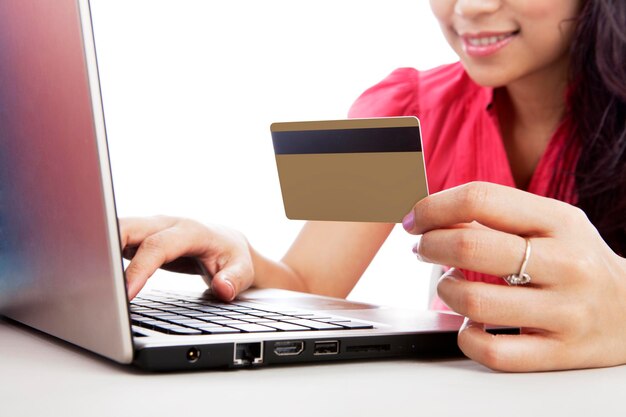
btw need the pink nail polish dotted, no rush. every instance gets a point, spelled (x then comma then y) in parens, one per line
(416, 253)
(409, 221)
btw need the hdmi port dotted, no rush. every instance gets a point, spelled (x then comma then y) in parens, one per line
(290, 348)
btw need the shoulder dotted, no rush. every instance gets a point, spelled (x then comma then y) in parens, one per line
(442, 86)
(407, 91)
(393, 96)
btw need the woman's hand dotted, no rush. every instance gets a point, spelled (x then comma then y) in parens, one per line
(178, 245)
(572, 312)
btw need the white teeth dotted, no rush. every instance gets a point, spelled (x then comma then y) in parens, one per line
(487, 40)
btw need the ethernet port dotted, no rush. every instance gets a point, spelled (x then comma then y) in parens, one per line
(248, 353)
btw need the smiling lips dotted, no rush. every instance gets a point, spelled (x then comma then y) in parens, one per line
(485, 44)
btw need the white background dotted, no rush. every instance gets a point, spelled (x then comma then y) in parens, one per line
(190, 88)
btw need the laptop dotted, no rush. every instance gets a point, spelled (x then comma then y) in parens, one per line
(61, 268)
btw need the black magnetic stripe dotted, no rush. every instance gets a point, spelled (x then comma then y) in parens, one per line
(389, 139)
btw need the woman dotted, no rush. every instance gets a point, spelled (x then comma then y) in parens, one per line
(538, 106)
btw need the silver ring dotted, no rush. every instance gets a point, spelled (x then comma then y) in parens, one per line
(521, 278)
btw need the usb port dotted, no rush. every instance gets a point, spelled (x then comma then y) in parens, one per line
(330, 347)
(288, 348)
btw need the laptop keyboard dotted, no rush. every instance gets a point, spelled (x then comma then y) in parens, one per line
(188, 315)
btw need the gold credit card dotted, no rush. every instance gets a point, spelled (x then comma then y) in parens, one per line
(361, 170)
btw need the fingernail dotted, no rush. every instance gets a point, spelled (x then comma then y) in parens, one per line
(416, 253)
(409, 221)
(471, 324)
(231, 292)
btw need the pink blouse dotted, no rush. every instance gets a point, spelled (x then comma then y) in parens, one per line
(460, 132)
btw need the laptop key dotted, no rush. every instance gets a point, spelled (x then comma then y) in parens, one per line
(286, 327)
(138, 302)
(208, 309)
(317, 318)
(209, 326)
(317, 325)
(153, 305)
(174, 329)
(185, 331)
(182, 304)
(148, 311)
(134, 306)
(257, 313)
(140, 319)
(354, 325)
(163, 315)
(194, 313)
(214, 304)
(221, 320)
(252, 328)
(188, 322)
(230, 322)
(182, 331)
(258, 320)
(220, 330)
(245, 304)
(134, 309)
(177, 309)
(279, 317)
(207, 317)
(155, 323)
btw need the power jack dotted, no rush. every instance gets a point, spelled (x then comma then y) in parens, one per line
(193, 354)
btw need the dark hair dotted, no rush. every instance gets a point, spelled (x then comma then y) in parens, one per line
(597, 110)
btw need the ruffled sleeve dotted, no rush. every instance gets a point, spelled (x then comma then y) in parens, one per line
(396, 95)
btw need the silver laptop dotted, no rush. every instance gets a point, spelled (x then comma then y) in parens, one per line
(61, 269)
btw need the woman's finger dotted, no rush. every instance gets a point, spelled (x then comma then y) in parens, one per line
(235, 277)
(490, 252)
(134, 230)
(231, 268)
(499, 305)
(160, 248)
(154, 251)
(526, 214)
(511, 353)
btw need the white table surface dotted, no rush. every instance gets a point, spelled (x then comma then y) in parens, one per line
(41, 376)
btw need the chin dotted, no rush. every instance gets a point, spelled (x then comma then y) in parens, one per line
(488, 76)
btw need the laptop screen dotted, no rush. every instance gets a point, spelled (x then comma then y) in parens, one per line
(60, 267)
